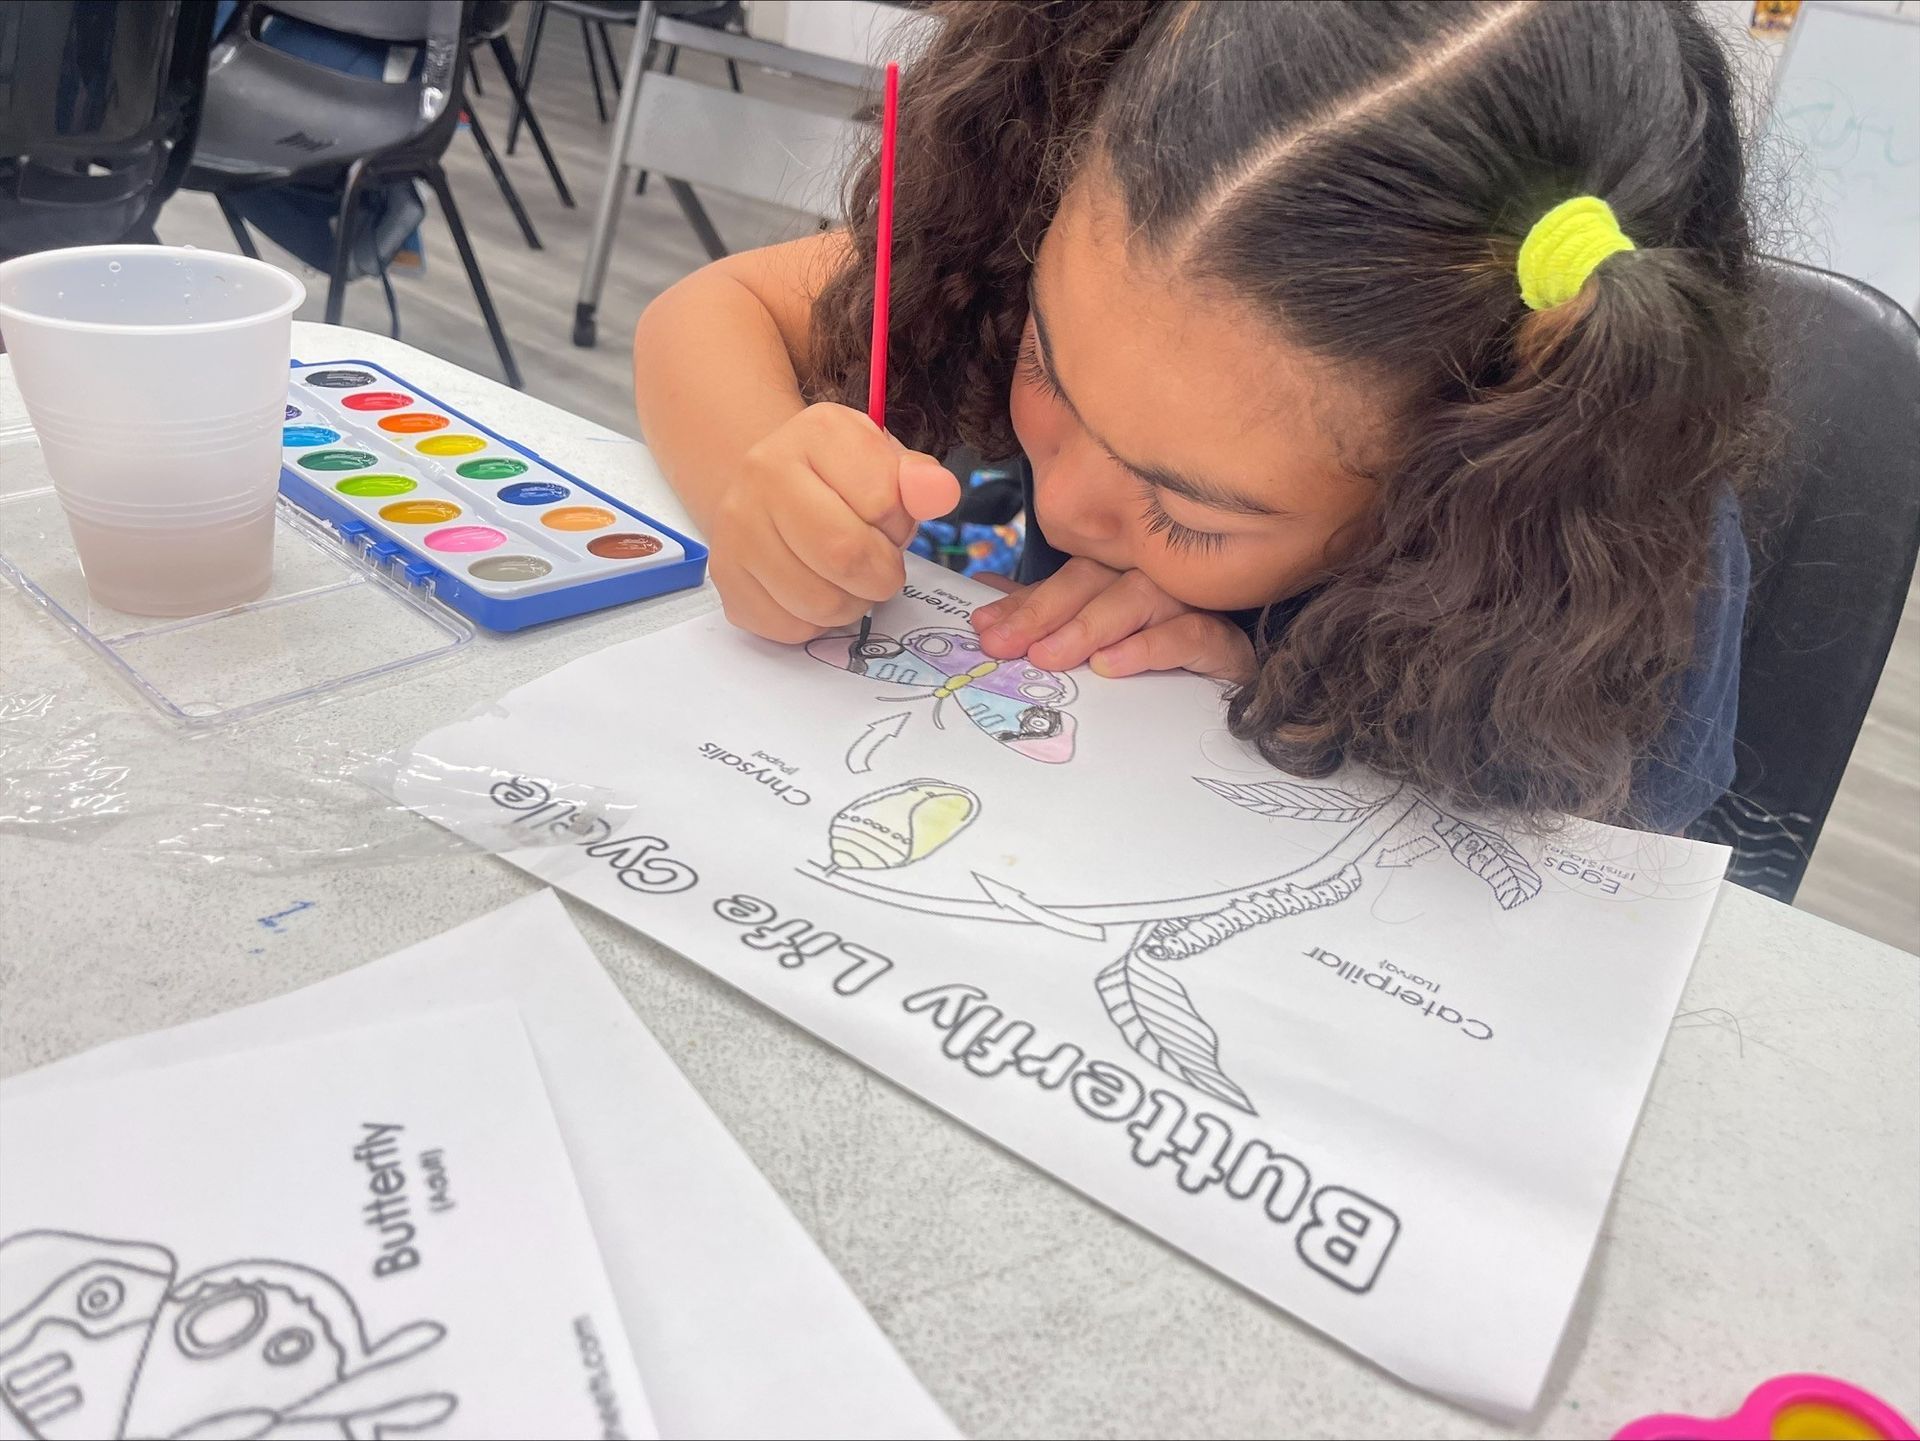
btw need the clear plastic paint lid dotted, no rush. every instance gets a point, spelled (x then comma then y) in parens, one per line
(333, 617)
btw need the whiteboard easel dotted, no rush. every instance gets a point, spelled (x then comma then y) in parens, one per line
(1846, 113)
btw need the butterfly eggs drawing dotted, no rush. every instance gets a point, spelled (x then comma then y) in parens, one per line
(1019, 705)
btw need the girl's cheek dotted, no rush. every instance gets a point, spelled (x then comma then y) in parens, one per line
(1039, 422)
(1240, 578)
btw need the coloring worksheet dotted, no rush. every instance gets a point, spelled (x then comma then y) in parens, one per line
(740, 1326)
(1372, 1058)
(320, 1238)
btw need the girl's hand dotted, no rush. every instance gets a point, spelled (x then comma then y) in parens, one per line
(808, 536)
(1120, 621)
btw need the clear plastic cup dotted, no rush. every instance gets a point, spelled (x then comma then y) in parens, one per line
(156, 379)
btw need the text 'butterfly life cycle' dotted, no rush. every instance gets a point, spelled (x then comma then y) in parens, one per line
(1372, 1058)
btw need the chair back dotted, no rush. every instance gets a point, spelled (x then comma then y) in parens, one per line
(320, 119)
(97, 116)
(397, 22)
(1837, 531)
(772, 150)
(439, 26)
(489, 19)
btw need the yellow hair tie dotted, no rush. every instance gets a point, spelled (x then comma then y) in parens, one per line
(1563, 248)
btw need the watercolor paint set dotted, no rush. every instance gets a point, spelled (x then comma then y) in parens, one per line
(401, 525)
(485, 524)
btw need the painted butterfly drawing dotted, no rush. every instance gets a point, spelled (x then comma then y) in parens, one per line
(1020, 706)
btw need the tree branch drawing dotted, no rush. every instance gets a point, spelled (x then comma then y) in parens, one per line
(1146, 1001)
(1153, 1010)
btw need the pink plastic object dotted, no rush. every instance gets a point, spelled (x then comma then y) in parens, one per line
(1787, 1408)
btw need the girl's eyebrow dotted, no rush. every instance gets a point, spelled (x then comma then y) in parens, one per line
(1194, 488)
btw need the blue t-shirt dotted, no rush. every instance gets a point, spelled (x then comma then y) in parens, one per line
(1692, 764)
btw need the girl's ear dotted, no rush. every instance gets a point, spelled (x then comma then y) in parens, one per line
(990, 119)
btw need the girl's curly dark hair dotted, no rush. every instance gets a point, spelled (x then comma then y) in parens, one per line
(1510, 625)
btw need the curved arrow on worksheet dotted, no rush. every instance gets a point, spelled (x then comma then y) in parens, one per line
(877, 734)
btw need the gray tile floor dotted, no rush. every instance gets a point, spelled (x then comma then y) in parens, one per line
(1865, 873)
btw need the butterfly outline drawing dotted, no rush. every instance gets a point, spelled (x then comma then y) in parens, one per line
(100, 1337)
(1012, 701)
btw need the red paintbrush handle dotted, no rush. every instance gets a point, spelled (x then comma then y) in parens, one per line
(883, 254)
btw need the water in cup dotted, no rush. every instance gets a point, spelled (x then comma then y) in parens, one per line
(156, 380)
(188, 570)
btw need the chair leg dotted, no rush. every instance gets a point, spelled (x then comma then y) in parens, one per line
(593, 70)
(239, 229)
(523, 106)
(698, 218)
(507, 192)
(473, 77)
(343, 241)
(606, 49)
(437, 178)
(733, 76)
(524, 87)
(613, 181)
(673, 59)
(393, 304)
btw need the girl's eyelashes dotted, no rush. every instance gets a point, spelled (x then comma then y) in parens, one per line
(1177, 537)
(1032, 370)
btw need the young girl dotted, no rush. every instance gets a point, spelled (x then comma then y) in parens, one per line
(1393, 361)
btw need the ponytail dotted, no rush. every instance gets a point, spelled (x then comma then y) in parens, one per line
(989, 117)
(1512, 632)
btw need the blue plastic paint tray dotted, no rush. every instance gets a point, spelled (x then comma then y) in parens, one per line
(485, 524)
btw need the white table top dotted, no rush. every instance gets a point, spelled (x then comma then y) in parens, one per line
(1768, 1219)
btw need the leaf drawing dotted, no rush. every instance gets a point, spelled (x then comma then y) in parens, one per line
(1157, 1019)
(1406, 852)
(1291, 801)
(1491, 857)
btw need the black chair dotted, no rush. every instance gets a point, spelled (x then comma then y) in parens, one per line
(274, 119)
(1837, 534)
(490, 20)
(99, 105)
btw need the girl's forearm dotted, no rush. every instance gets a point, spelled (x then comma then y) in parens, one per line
(712, 377)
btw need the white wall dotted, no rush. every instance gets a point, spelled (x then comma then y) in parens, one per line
(767, 20)
(856, 30)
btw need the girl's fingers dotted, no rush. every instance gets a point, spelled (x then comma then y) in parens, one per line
(927, 488)
(819, 527)
(1129, 604)
(1043, 609)
(798, 589)
(748, 606)
(983, 616)
(1204, 644)
(861, 464)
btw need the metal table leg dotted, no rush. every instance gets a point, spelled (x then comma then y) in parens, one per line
(613, 185)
